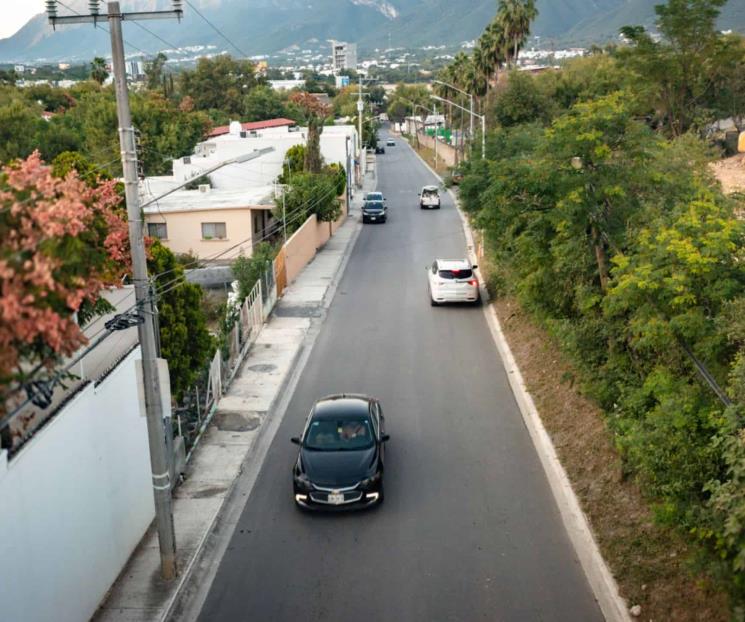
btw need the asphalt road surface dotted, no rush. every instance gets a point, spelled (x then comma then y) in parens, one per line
(469, 529)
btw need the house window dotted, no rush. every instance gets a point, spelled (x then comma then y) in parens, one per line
(157, 230)
(213, 231)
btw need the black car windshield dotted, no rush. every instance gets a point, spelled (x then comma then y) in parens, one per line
(374, 206)
(339, 434)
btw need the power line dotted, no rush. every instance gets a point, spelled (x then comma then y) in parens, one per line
(216, 29)
(69, 8)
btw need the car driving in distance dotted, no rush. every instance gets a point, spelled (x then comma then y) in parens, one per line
(390, 143)
(452, 280)
(429, 198)
(341, 456)
(374, 208)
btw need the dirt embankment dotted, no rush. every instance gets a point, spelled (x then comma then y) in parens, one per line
(650, 563)
(731, 173)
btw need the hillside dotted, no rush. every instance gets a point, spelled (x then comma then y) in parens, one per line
(266, 26)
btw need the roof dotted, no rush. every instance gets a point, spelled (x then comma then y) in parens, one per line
(454, 264)
(252, 126)
(342, 405)
(431, 188)
(259, 197)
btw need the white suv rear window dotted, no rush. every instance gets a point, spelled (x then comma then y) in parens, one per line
(466, 273)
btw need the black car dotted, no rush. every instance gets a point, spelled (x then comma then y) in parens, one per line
(380, 149)
(340, 463)
(374, 211)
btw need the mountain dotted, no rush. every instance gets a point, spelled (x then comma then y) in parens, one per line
(266, 26)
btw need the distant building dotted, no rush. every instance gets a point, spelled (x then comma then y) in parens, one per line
(343, 56)
(286, 85)
(63, 66)
(135, 69)
(342, 81)
(19, 69)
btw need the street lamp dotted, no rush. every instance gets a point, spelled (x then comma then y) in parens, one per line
(473, 114)
(470, 96)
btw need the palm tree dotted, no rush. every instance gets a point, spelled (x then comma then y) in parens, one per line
(515, 17)
(99, 73)
(493, 45)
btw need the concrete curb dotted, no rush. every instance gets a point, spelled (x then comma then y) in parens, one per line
(599, 576)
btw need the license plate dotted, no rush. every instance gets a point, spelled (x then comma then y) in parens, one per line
(373, 217)
(336, 498)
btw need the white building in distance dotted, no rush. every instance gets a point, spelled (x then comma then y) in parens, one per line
(343, 56)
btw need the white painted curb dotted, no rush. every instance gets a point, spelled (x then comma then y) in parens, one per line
(599, 576)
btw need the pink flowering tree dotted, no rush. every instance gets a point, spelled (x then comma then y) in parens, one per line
(61, 243)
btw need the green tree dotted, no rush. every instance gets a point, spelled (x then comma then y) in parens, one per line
(185, 341)
(154, 72)
(679, 72)
(515, 17)
(263, 103)
(314, 115)
(521, 101)
(308, 194)
(248, 270)
(99, 72)
(20, 124)
(292, 164)
(219, 83)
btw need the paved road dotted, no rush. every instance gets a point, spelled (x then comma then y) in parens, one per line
(469, 530)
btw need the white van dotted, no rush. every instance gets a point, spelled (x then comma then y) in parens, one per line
(429, 198)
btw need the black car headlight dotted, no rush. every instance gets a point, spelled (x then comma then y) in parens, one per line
(301, 479)
(370, 481)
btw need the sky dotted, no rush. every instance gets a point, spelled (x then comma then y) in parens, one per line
(16, 13)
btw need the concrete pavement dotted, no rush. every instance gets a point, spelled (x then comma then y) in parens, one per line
(242, 418)
(469, 529)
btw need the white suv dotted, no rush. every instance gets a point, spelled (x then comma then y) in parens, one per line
(429, 197)
(452, 280)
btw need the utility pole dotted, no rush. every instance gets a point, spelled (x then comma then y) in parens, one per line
(159, 460)
(360, 109)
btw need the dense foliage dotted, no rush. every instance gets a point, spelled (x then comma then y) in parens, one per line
(185, 341)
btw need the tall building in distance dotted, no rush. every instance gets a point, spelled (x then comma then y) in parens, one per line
(343, 55)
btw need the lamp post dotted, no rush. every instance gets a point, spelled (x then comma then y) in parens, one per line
(473, 114)
(470, 97)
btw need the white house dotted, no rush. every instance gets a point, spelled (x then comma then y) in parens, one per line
(231, 210)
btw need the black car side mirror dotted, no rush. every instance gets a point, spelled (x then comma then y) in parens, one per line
(385, 437)
(295, 440)
(475, 267)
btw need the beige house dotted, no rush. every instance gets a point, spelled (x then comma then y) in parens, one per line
(213, 225)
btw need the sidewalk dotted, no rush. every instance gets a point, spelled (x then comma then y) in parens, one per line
(139, 593)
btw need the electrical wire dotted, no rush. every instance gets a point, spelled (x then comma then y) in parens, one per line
(216, 29)
(69, 8)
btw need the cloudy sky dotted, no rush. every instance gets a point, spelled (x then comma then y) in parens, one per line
(16, 13)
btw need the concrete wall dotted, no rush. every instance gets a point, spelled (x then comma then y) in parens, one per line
(185, 231)
(301, 248)
(75, 502)
(444, 152)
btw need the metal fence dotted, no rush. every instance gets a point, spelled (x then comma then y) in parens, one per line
(192, 416)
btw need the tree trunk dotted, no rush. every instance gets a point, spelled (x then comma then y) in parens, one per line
(601, 258)
(312, 163)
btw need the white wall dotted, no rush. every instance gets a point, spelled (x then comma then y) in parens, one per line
(74, 503)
